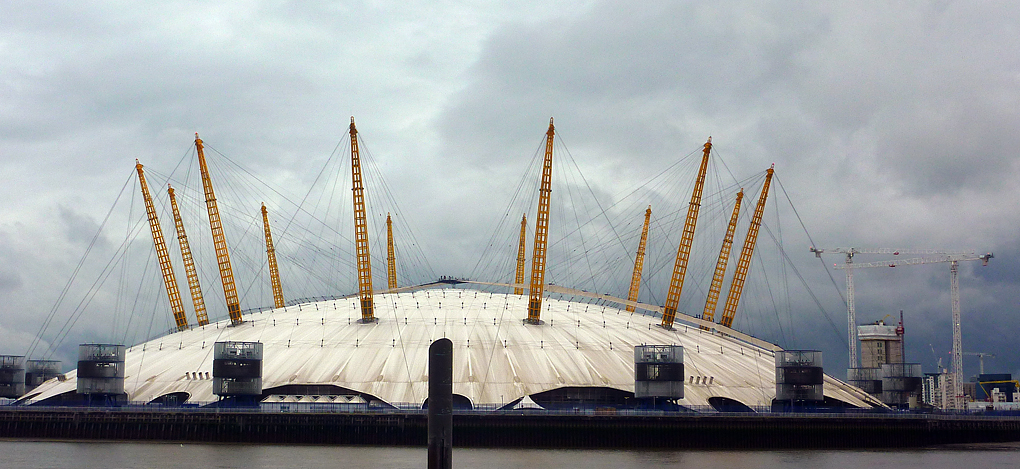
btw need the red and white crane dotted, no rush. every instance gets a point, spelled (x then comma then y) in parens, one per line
(954, 260)
(851, 316)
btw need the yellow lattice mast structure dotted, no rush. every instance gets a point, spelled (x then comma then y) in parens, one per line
(189, 263)
(274, 270)
(683, 253)
(639, 262)
(361, 233)
(162, 254)
(519, 274)
(720, 265)
(744, 263)
(538, 253)
(391, 256)
(219, 240)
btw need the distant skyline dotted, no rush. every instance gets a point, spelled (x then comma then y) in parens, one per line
(890, 124)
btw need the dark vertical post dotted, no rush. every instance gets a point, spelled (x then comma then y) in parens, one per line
(441, 404)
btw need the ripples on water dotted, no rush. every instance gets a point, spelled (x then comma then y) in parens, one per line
(21, 454)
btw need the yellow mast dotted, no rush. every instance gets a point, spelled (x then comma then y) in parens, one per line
(639, 262)
(274, 271)
(361, 233)
(164, 256)
(676, 284)
(391, 256)
(219, 240)
(519, 276)
(737, 285)
(538, 254)
(189, 263)
(720, 265)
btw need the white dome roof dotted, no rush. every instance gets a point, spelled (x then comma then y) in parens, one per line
(497, 357)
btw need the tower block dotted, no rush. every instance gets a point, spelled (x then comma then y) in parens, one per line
(744, 263)
(219, 240)
(639, 262)
(521, 246)
(162, 254)
(683, 252)
(365, 293)
(274, 270)
(720, 266)
(538, 254)
(391, 256)
(189, 263)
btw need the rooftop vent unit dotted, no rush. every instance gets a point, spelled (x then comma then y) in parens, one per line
(101, 372)
(799, 378)
(659, 371)
(868, 380)
(237, 369)
(39, 371)
(901, 384)
(12, 376)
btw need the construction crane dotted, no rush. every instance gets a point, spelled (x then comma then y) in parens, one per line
(365, 293)
(274, 271)
(538, 253)
(189, 262)
(851, 314)
(954, 288)
(744, 262)
(521, 246)
(981, 359)
(391, 256)
(639, 262)
(683, 252)
(219, 240)
(162, 254)
(720, 266)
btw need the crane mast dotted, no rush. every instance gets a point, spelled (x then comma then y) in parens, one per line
(538, 253)
(639, 262)
(720, 266)
(189, 263)
(162, 254)
(744, 263)
(954, 289)
(519, 274)
(219, 240)
(683, 253)
(274, 270)
(361, 233)
(391, 256)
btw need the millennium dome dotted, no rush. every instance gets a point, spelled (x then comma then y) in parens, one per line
(515, 344)
(499, 359)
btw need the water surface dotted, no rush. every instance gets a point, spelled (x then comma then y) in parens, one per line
(33, 454)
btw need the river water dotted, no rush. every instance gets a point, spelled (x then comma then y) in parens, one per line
(44, 454)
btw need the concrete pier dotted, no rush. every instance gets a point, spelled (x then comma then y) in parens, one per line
(676, 431)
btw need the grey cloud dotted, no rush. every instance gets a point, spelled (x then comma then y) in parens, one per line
(884, 120)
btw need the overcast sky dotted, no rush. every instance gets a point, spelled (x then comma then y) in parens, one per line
(891, 124)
